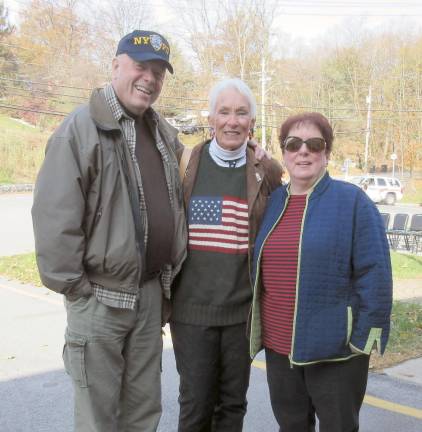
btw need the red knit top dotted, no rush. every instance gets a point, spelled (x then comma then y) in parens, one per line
(279, 276)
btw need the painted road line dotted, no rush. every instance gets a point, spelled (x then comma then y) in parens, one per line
(23, 292)
(392, 406)
(372, 400)
(259, 364)
(369, 400)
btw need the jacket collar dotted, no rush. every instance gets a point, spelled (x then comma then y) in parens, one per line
(321, 185)
(107, 119)
(318, 188)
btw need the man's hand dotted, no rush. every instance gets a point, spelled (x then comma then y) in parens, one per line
(260, 153)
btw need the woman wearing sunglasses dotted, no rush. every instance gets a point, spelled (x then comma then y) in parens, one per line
(322, 287)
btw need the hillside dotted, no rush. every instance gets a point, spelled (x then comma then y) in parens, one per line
(21, 150)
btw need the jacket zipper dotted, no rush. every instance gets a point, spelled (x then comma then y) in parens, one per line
(291, 360)
(299, 256)
(130, 185)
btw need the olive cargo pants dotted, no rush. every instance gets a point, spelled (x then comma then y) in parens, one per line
(114, 359)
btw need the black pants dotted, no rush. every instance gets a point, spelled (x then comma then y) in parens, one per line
(332, 390)
(214, 367)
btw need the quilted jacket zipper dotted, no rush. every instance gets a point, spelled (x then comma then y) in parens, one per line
(299, 256)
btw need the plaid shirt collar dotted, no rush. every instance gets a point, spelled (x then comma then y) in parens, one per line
(119, 112)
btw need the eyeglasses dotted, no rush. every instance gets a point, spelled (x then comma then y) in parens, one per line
(293, 144)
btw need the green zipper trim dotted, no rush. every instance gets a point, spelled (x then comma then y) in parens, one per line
(339, 359)
(299, 259)
(349, 324)
(356, 349)
(373, 341)
(258, 267)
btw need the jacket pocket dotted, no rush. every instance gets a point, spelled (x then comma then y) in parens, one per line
(74, 359)
(349, 324)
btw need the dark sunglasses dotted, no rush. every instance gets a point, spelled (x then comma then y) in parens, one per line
(293, 144)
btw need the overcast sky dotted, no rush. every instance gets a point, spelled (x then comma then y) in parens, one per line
(304, 19)
(310, 19)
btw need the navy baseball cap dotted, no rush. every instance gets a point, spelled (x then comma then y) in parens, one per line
(142, 45)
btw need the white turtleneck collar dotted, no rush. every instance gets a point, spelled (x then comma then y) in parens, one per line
(228, 158)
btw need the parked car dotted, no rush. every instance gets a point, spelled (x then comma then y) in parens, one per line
(385, 190)
(355, 179)
(173, 122)
(189, 129)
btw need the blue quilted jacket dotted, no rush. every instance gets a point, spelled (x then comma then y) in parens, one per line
(344, 283)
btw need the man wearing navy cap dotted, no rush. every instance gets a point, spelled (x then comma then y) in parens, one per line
(110, 235)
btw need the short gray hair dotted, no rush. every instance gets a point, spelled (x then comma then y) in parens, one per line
(232, 83)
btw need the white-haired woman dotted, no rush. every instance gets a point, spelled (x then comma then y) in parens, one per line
(225, 191)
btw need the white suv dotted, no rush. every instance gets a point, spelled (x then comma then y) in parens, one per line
(386, 190)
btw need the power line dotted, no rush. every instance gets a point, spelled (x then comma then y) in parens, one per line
(62, 102)
(162, 107)
(21, 108)
(274, 107)
(310, 7)
(28, 81)
(362, 15)
(205, 101)
(349, 4)
(47, 92)
(327, 3)
(49, 84)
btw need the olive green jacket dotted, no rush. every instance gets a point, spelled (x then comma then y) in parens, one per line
(83, 212)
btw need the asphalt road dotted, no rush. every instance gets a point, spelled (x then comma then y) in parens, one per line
(16, 224)
(36, 394)
(16, 234)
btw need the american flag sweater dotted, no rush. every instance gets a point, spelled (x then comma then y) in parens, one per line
(213, 287)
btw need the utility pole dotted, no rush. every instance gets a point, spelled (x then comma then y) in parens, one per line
(263, 79)
(368, 127)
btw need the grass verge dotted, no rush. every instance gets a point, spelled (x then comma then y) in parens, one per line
(406, 266)
(405, 340)
(413, 192)
(21, 151)
(23, 267)
(406, 320)
(20, 267)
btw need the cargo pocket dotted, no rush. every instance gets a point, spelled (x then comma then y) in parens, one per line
(74, 359)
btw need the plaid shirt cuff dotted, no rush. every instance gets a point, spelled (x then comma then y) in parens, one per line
(114, 299)
(166, 276)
